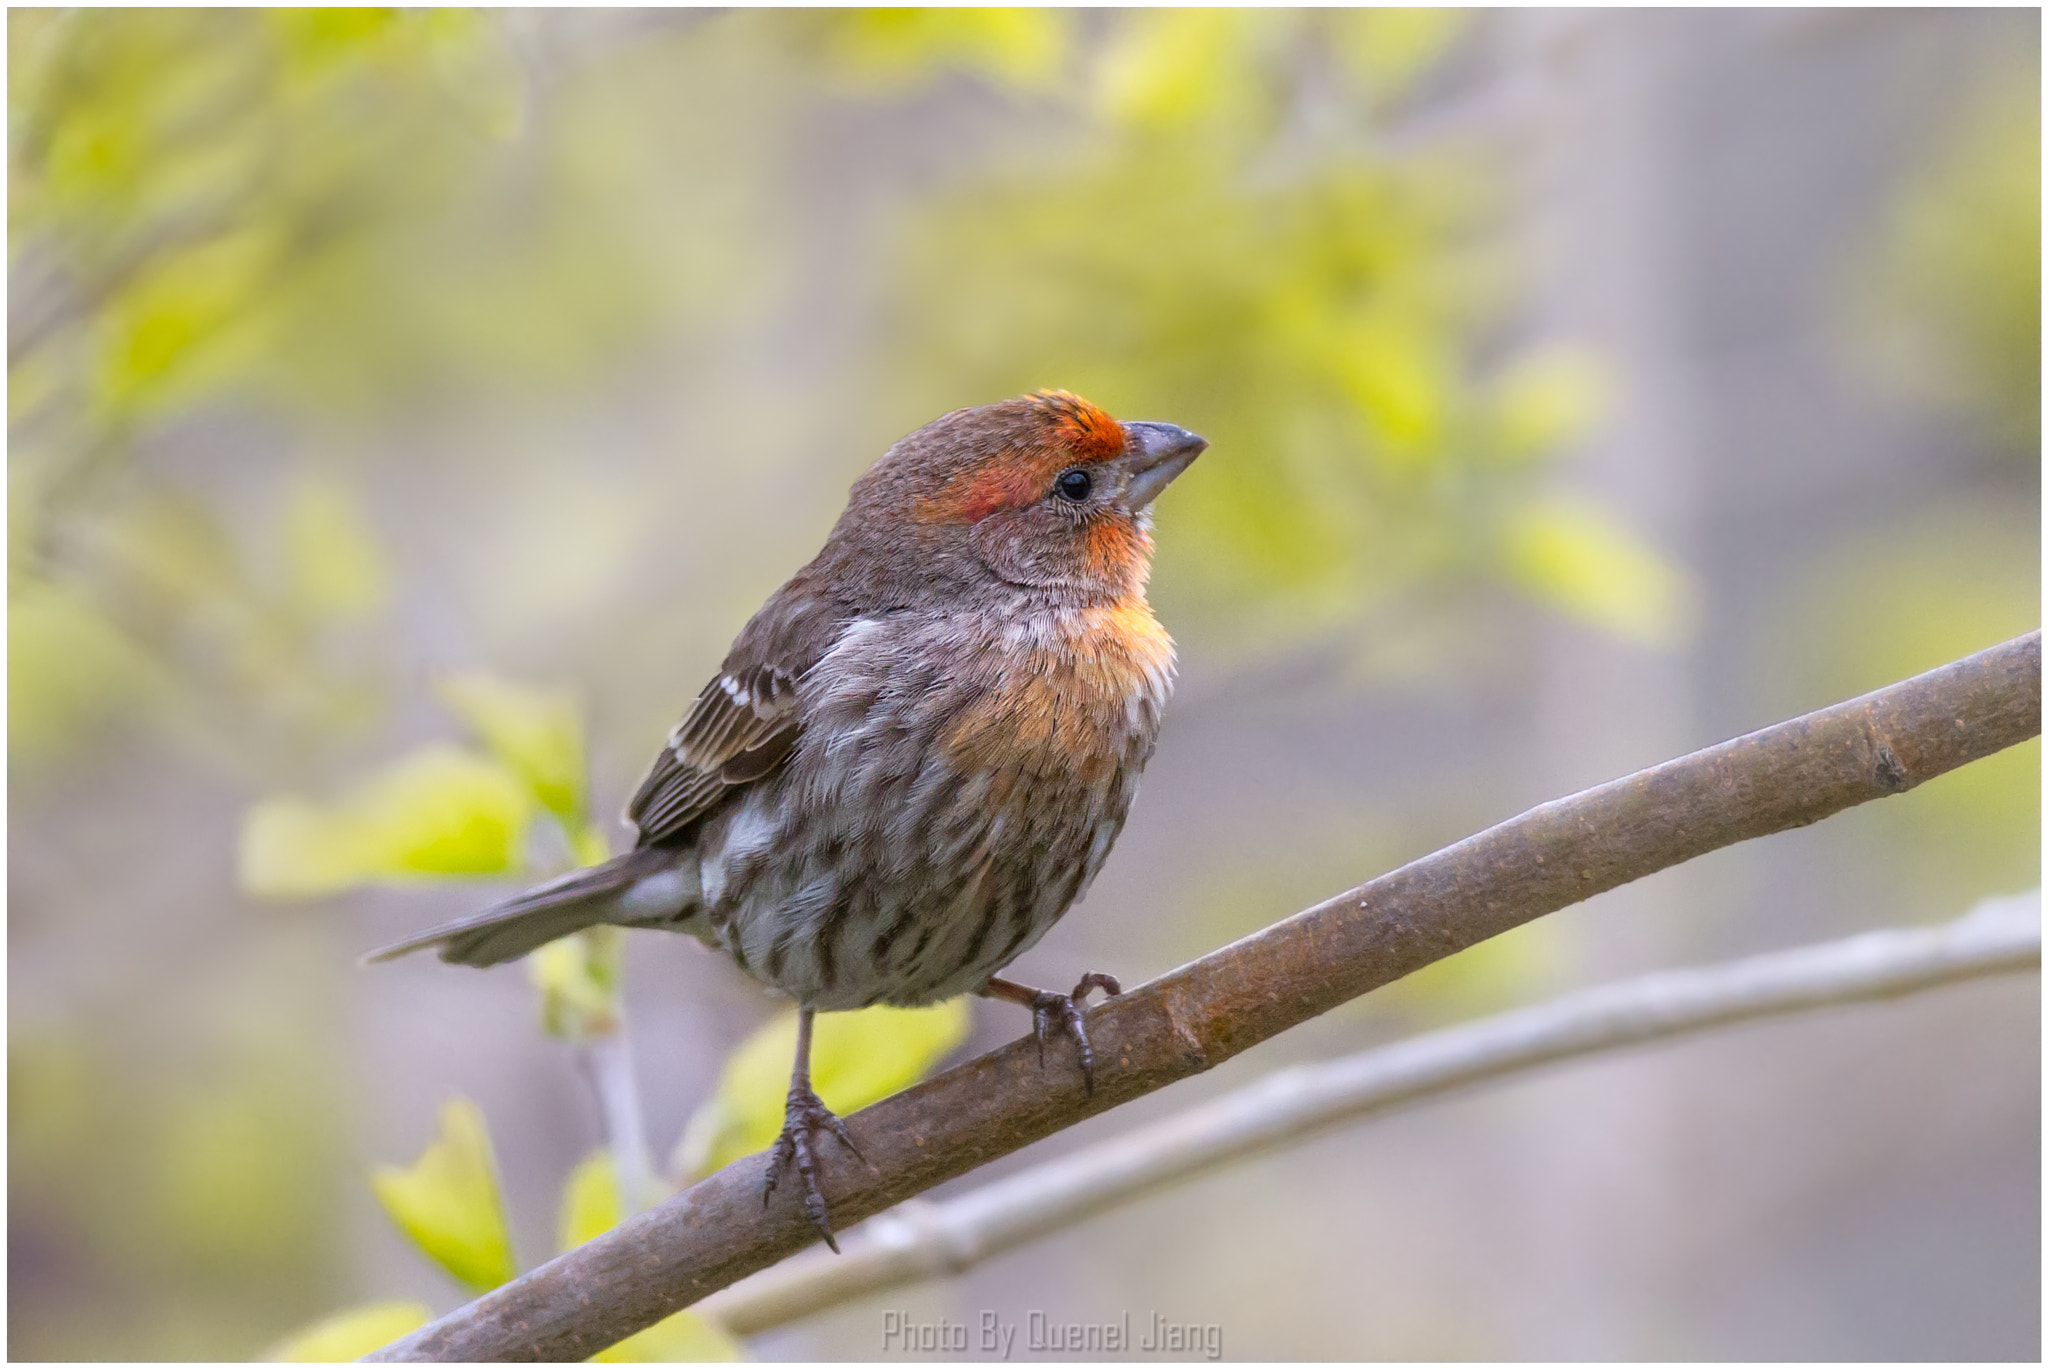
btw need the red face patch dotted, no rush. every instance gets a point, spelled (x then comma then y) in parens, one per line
(1074, 431)
(973, 495)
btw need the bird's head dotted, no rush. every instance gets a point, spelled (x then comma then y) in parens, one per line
(1045, 492)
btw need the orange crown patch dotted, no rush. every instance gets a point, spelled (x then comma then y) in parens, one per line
(1088, 428)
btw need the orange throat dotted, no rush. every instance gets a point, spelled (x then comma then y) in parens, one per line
(1068, 691)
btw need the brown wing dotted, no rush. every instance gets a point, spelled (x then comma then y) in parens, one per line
(742, 726)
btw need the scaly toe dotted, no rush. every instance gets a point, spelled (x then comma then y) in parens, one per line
(803, 1118)
(1053, 1013)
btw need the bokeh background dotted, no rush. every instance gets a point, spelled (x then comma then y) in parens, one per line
(1584, 387)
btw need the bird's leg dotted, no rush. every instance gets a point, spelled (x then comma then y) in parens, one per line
(803, 1116)
(1057, 1012)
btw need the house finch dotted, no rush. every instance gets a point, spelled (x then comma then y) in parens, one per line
(918, 753)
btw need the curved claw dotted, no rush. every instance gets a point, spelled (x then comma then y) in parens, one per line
(804, 1115)
(1105, 982)
(1055, 1012)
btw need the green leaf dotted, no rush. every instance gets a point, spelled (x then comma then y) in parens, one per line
(1400, 387)
(1579, 559)
(349, 1335)
(1390, 47)
(1956, 278)
(232, 1172)
(448, 1201)
(1492, 976)
(857, 1058)
(67, 667)
(187, 319)
(1904, 596)
(685, 1337)
(1548, 398)
(1167, 67)
(316, 38)
(578, 979)
(442, 810)
(590, 1200)
(537, 734)
(438, 811)
(590, 1207)
(181, 550)
(337, 566)
(291, 848)
(589, 844)
(477, 66)
(1020, 47)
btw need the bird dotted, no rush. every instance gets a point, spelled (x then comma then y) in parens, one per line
(918, 753)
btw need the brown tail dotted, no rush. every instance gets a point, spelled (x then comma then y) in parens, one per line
(579, 899)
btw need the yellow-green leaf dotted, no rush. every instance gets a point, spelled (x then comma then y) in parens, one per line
(1171, 66)
(181, 550)
(477, 66)
(538, 734)
(291, 848)
(590, 1207)
(349, 1335)
(67, 667)
(316, 38)
(1956, 279)
(1390, 46)
(1021, 47)
(182, 312)
(1547, 398)
(857, 1058)
(1492, 976)
(337, 566)
(1579, 559)
(683, 1338)
(589, 843)
(442, 810)
(439, 810)
(1400, 386)
(448, 1201)
(590, 1200)
(578, 979)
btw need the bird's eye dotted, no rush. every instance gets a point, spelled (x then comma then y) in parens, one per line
(1073, 486)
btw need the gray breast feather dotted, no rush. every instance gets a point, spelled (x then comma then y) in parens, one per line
(871, 867)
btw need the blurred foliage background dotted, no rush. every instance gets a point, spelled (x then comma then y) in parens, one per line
(406, 407)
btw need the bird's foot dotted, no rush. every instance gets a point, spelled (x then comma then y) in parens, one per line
(804, 1117)
(1055, 1013)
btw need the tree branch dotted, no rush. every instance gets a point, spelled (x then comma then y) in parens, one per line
(1194, 1018)
(919, 1240)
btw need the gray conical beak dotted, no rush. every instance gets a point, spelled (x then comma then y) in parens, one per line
(1159, 452)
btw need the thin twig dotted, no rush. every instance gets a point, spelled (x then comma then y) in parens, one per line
(1194, 1018)
(920, 1240)
(607, 1058)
